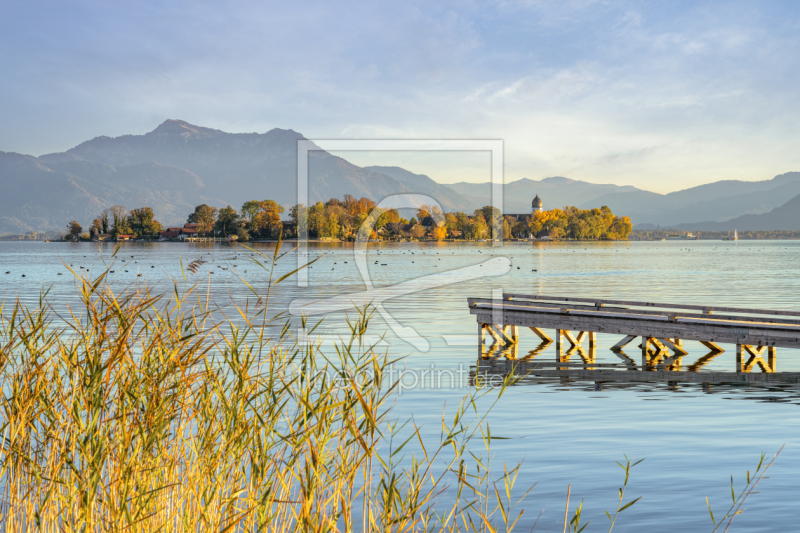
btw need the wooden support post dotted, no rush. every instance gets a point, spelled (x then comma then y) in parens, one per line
(589, 357)
(542, 335)
(560, 355)
(740, 358)
(512, 352)
(645, 353)
(748, 357)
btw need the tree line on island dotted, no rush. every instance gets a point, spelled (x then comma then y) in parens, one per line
(342, 219)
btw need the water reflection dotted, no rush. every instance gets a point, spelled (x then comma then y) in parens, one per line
(659, 373)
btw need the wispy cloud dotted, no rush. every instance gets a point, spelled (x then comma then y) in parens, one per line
(584, 88)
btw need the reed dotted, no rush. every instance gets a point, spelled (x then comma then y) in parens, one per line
(142, 412)
(155, 412)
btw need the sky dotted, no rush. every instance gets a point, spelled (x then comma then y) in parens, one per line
(662, 95)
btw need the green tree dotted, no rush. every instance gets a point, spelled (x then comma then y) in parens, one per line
(250, 211)
(227, 221)
(142, 221)
(104, 220)
(119, 220)
(316, 219)
(299, 215)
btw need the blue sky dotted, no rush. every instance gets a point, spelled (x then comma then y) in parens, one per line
(661, 95)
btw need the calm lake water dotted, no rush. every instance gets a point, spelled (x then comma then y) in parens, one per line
(693, 439)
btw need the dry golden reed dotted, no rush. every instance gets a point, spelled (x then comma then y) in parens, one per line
(138, 412)
(141, 412)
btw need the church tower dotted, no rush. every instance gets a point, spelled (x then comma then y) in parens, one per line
(536, 205)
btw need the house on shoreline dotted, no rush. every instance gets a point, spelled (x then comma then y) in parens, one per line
(188, 230)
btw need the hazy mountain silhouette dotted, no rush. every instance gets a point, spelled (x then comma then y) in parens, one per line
(555, 192)
(179, 165)
(171, 169)
(236, 167)
(785, 217)
(448, 198)
(718, 201)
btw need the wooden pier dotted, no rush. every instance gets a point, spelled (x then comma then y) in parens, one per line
(662, 327)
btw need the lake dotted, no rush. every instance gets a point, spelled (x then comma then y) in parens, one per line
(693, 438)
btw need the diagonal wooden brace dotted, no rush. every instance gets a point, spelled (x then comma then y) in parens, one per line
(542, 335)
(623, 342)
(575, 342)
(674, 346)
(503, 334)
(711, 346)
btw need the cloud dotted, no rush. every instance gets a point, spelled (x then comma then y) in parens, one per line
(584, 88)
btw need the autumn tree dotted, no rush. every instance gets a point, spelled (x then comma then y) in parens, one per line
(451, 222)
(97, 227)
(205, 217)
(417, 231)
(439, 232)
(74, 229)
(388, 216)
(268, 219)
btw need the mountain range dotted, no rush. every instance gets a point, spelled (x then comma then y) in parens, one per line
(179, 165)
